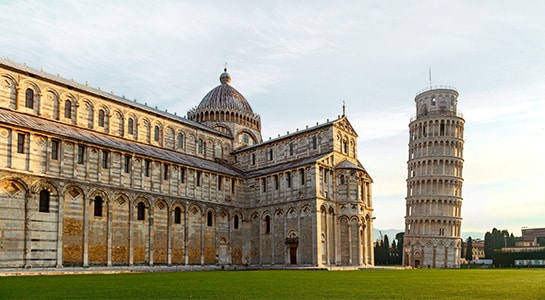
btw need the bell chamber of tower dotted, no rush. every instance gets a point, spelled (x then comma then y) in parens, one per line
(226, 110)
(434, 182)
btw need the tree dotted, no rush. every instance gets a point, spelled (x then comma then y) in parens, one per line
(488, 246)
(496, 240)
(469, 249)
(462, 254)
(399, 248)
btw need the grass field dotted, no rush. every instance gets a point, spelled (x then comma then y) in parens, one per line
(366, 284)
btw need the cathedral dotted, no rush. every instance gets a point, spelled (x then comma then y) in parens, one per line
(88, 178)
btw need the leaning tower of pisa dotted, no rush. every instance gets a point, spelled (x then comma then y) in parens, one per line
(434, 182)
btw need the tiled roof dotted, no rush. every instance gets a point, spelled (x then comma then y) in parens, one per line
(290, 135)
(225, 97)
(13, 118)
(286, 166)
(100, 93)
(345, 164)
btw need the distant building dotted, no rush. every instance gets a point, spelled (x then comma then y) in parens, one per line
(477, 250)
(434, 185)
(91, 179)
(530, 237)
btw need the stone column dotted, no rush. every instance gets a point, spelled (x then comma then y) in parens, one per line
(151, 232)
(110, 232)
(131, 234)
(85, 232)
(60, 225)
(28, 246)
(186, 233)
(169, 236)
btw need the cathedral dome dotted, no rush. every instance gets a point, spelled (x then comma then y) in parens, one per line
(225, 97)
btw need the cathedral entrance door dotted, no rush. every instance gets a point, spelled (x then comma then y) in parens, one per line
(293, 255)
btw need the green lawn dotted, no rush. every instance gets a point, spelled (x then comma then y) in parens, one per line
(367, 284)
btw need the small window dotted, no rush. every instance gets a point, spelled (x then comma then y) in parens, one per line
(156, 133)
(68, 109)
(105, 159)
(342, 179)
(267, 224)
(98, 206)
(235, 222)
(271, 154)
(54, 149)
(253, 158)
(81, 154)
(180, 140)
(209, 219)
(177, 215)
(200, 146)
(182, 175)
(302, 176)
(44, 200)
(314, 143)
(165, 172)
(433, 101)
(20, 143)
(264, 184)
(233, 185)
(141, 211)
(291, 148)
(29, 98)
(147, 164)
(288, 179)
(245, 139)
(127, 165)
(276, 183)
(199, 178)
(101, 117)
(130, 126)
(220, 180)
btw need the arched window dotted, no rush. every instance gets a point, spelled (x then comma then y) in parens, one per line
(130, 126)
(180, 140)
(141, 211)
(101, 118)
(209, 220)
(342, 179)
(177, 215)
(68, 109)
(200, 146)
(235, 222)
(29, 98)
(44, 200)
(267, 224)
(156, 133)
(98, 206)
(291, 148)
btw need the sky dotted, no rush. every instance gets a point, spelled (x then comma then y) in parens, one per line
(297, 62)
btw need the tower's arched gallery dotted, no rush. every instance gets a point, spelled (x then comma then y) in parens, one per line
(91, 179)
(434, 185)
